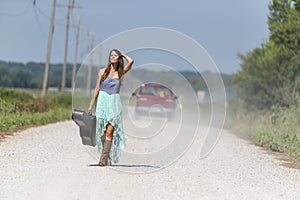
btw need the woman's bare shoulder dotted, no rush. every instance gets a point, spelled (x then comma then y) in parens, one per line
(101, 71)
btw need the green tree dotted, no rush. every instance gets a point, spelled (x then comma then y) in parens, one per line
(284, 23)
(270, 73)
(21, 79)
(5, 77)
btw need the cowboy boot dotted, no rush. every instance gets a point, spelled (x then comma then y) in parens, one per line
(103, 141)
(105, 153)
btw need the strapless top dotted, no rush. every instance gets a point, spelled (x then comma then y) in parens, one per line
(110, 85)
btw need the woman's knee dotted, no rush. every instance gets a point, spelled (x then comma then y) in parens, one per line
(109, 131)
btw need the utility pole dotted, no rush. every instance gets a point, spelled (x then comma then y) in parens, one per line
(75, 57)
(63, 80)
(48, 50)
(90, 65)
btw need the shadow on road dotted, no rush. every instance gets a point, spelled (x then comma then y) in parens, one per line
(150, 166)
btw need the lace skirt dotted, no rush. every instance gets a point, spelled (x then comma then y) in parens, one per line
(109, 111)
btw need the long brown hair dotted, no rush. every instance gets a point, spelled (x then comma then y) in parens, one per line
(120, 66)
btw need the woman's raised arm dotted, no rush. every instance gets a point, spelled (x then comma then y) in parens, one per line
(129, 60)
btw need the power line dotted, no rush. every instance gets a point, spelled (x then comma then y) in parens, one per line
(56, 22)
(46, 16)
(16, 14)
(38, 23)
(79, 26)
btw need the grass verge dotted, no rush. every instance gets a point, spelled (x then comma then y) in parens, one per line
(277, 130)
(19, 109)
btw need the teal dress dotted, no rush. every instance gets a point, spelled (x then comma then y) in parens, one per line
(109, 111)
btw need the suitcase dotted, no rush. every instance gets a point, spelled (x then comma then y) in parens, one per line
(87, 126)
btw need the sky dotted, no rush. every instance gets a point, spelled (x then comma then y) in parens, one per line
(222, 28)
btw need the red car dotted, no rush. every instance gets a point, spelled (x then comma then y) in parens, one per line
(157, 97)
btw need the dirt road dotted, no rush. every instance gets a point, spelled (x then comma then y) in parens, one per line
(49, 162)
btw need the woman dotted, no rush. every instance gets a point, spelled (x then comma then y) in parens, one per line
(109, 129)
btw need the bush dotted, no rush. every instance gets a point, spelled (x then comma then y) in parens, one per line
(60, 100)
(41, 104)
(13, 96)
(19, 109)
(276, 130)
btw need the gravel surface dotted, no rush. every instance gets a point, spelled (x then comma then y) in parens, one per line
(49, 162)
